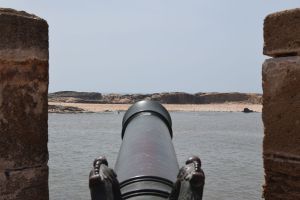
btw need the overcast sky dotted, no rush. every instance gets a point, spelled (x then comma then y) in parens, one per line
(141, 46)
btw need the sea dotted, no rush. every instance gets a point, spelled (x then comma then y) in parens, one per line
(228, 143)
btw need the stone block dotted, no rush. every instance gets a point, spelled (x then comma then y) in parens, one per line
(282, 177)
(282, 33)
(281, 117)
(23, 36)
(281, 105)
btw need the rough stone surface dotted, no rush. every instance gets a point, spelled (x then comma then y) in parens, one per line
(23, 113)
(23, 36)
(205, 98)
(281, 105)
(282, 33)
(174, 98)
(20, 184)
(23, 106)
(281, 117)
(64, 109)
(282, 177)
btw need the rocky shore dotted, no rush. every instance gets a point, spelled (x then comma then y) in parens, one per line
(165, 98)
(64, 109)
(82, 102)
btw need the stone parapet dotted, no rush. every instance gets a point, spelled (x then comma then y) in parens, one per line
(281, 106)
(23, 106)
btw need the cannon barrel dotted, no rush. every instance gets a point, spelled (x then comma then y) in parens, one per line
(146, 166)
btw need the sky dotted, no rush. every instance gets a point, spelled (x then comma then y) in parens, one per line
(145, 46)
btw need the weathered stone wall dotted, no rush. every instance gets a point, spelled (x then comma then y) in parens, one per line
(23, 106)
(281, 106)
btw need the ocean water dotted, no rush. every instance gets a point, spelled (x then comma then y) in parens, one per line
(228, 143)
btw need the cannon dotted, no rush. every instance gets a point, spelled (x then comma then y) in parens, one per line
(146, 167)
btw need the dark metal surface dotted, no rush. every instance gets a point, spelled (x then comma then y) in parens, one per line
(147, 106)
(103, 182)
(190, 181)
(147, 165)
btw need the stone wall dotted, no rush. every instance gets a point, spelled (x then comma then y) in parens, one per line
(281, 106)
(23, 106)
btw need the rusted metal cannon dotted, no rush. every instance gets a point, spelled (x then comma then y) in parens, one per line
(147, 166)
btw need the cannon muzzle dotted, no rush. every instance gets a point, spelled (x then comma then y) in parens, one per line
(147, 163)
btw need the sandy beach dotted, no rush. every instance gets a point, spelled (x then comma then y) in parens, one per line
(226, 107)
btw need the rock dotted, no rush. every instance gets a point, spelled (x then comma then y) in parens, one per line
(247, 110)
(207, 98)
(23, 106)
(125, 101)
(282, 33)
(174, 98)
(75, 97)
(64, 109)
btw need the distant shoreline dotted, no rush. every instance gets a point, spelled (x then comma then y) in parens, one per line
(82, 102)
(87, 107)
(164, 98)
